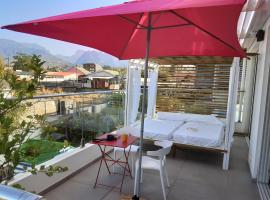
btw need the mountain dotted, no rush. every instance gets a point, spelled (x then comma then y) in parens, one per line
(73, 58)
(9, 48)
(100, 58)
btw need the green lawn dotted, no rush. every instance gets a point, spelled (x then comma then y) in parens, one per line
(40, 151)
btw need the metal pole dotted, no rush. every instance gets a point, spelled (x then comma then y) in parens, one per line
(149, 28)
(82, 124)
(8, 62)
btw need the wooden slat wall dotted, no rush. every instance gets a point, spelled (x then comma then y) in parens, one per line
(193, 89)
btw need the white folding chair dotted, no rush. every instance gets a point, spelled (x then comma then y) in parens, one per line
(133, 154)
(158, 163)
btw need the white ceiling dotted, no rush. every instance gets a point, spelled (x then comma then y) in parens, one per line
(253, 18)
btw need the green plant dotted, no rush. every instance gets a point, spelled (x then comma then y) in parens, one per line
(18, 186)
(26, 62)
(16, 126)
(116, 99)
(66, 143)
(38, 151)
(32, 151)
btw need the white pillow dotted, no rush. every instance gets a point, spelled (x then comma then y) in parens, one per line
(171, 116)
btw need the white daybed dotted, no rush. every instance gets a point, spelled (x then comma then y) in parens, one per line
(198, 130)
(220, 145)
(192, 131)
(182, 128)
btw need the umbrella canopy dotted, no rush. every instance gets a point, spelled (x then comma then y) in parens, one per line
(179, 28)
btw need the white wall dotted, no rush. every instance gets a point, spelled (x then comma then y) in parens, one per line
(70, 77)
(248, 94)
(259, 102)
(243, 126)
(49, 79)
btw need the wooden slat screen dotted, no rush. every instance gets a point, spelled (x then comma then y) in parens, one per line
(193, 89)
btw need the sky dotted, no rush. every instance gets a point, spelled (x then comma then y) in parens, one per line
(15, 11)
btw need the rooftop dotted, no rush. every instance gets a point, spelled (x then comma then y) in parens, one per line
(101, 74)
(59, 73)
(78, 70)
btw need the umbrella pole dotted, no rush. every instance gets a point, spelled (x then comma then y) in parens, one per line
(149, 28)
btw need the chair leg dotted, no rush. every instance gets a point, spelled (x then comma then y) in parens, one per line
(114, 157)
(166, 172)
(167, 178)
(162, 184)
(135, 181)
(141, 175)
(132, 165)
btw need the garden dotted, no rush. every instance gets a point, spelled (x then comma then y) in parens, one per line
(35, 152)
(88, 120)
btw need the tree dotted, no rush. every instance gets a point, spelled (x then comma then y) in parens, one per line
(21, 62)
(122, 76)
(15, 125)
(27, 62)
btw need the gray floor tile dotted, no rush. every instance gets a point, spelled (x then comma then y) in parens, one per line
(185, 189)
(76, 191)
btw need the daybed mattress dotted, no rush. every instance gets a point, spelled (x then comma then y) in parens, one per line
(200, 134)
(157, 129)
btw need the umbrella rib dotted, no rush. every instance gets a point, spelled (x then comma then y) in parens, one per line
(133, 22)
(172, 26)
(154, 21)
(202, 29)
(135, 27)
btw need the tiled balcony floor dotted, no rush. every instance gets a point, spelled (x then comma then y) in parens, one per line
(193, 175)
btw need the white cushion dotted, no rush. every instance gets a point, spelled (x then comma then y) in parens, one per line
(200, 134)
(157, 129)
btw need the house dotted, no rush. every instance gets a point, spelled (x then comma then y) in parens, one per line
(92, 67)
(78, 70)
(24, 74)
(106, 79)
(59, 76)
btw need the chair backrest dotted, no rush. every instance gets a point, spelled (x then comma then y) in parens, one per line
(165, 150)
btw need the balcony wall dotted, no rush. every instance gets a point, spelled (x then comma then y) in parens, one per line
(73, 116)
(74, 160)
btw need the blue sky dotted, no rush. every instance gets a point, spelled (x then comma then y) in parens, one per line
(14, 11)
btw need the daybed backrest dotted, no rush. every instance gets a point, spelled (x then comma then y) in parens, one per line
(188, 117)
(171, 116)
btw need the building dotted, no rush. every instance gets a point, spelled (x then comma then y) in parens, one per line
(92, 67)
(60, 76)
(254, 34)
(78, 70)
(106, 79)
(24, 74)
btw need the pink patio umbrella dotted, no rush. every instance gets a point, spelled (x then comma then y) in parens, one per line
(148, 28)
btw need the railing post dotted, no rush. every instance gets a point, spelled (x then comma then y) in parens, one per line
(231, 110)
